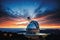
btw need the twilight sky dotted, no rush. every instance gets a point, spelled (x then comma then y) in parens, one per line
(14, 13)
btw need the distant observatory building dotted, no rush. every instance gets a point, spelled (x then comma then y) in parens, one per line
(32, 28)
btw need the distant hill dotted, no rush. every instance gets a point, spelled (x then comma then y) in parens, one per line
(23, 30)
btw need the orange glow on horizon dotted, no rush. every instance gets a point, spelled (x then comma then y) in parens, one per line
(22, 23)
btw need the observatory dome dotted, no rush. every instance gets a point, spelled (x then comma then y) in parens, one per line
(33, 27)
